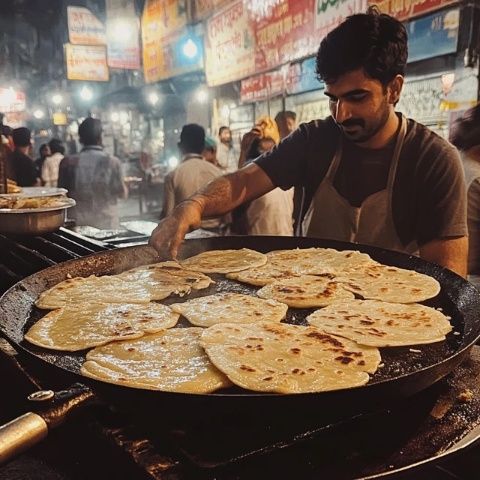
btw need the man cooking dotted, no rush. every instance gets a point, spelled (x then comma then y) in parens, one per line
(368, 174)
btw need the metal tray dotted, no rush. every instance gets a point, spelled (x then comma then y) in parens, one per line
(34, 221)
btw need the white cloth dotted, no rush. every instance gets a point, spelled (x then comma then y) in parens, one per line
(227, 158)
(271, 214)
(50, 169)
(190, 176)
(332, 217)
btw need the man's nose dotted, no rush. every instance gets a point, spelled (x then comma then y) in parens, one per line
(342, 112)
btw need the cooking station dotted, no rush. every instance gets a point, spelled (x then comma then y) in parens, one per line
(424, 436)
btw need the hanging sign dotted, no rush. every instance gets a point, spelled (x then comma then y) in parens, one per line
(84, 28)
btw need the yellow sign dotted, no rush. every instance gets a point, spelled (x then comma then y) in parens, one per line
(59, 118)
(86, 62)
(161, 21)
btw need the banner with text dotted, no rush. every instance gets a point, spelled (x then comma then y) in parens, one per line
(86, 62)
(229, 45)
(123, 49)
(84, 28)
(407, 9)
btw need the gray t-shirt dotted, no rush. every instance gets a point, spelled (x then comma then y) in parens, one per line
(429, 198)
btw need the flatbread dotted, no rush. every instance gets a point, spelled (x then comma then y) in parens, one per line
(230, 307)
(171, 361)
(317, 261)
(389, 284)
(306, 291)
(262, 276)
(282, 358)
(381, 324)
(166, 276)
(225, 261)
(84, 326)
(92, 289)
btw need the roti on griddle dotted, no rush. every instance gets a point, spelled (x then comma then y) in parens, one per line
(225, 261)
(171, 361)
(389, 284)
(230, 307)
(263, 275)
(317, 261)
(381, 324)
(89, 325)
(167, 276)
(306, 291)
(92, 289)
(283, 358)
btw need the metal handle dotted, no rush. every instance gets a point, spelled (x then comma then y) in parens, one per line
(21, 434)
(54, 408)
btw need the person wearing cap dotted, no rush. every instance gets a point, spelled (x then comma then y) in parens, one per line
(465, 135)
(369, 175)
(20, 165)
(193, 173)
(210, 151)
(94, 179)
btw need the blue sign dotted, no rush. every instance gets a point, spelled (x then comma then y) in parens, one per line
(302, 77)
(433, 35)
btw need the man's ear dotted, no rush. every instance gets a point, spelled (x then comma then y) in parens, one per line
(395, 89)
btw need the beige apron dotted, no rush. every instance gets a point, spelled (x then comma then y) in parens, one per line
(331, 216)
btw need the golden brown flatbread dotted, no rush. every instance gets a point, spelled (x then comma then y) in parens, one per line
(282, 358)
(231, 308)
(306, 291)
(89, 325)
(171, 361)
(381, 324)
(225, 261)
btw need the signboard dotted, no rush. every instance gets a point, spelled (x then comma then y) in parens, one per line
(407, 9)
(229, 45)
(331, 13)
(261, 87)
(12, 100)
(205, 8)
(302, 77)
(292, 79)
(84, 28)
(433, 35)
(123, 49)
(161, 22)
(86, 62)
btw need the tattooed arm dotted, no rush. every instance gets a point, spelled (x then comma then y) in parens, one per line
(217, 198)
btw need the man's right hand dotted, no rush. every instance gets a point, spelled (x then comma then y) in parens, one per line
(170, 232)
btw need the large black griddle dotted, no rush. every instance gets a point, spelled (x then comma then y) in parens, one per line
(404, 372)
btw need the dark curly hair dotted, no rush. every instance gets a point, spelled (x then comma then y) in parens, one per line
(373, 41)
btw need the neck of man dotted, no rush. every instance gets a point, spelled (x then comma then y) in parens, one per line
(383, 137)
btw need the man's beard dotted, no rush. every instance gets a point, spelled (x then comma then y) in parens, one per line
(364, 133)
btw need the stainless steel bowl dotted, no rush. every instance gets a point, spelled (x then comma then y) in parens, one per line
(34, 221)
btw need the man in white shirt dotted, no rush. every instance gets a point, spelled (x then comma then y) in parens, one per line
(193, 173)
(51, 164)
(227, 156)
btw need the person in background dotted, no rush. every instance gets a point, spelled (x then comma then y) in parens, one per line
(370, 175)
(193, 173)
(94, 179)
(286, 122)
(20, 165)
(210, 151)
(51, 164)
(270, 214)
(465, 135)
(44, 152)
(227, 156)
